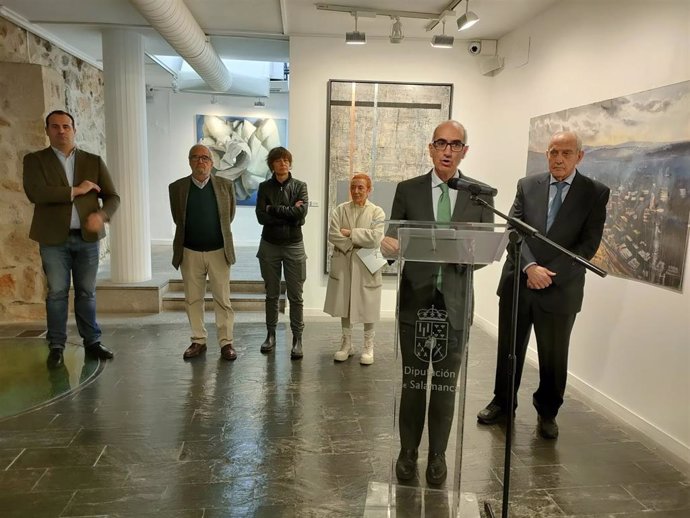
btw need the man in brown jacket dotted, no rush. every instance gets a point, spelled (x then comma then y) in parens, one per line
(203, 206)
(73, 196)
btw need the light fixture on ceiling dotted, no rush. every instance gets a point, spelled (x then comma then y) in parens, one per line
(259, 103)
(396, 36)
(468, 19)
(442, 41)
(355, 37)
(396, 31)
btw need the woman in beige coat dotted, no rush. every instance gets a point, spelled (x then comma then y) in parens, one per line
(354, 293)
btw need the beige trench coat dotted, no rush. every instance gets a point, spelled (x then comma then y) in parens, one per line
(352, 290)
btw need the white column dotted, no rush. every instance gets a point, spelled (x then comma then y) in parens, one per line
(125, 127)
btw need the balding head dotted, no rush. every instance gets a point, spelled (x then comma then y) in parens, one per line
(564, 153)
(454, 124)
(570, 135)
(448, 148)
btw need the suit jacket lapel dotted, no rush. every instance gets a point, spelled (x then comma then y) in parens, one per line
(79, 173)
(461, 201)
(182, 199)
(542, 201)
(427, 207)
(221, 199)
(55, 167)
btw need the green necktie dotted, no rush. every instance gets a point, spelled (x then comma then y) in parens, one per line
(442, 216)
(443, 207)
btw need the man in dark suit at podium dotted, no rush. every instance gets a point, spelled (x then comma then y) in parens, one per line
(432, 305)
(569, 209)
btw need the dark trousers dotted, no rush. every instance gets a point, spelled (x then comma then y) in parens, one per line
(552, 331)
(442, 383)
(293, 260)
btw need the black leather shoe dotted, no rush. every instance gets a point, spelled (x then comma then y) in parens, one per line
(97, 350)
(492, 414)
(436, 470)
(270, 342)
(548, 428)
(296, 352)
(55, 359)
(406, 465)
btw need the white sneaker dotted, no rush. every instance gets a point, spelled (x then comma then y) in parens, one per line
(345, 350)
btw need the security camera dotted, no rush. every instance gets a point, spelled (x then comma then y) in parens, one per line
(474, 48)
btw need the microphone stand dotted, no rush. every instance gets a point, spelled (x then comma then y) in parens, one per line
(518, 232)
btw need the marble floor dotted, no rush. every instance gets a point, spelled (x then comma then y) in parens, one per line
(155, 436)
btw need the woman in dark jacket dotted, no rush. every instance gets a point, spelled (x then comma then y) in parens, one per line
(281, 207)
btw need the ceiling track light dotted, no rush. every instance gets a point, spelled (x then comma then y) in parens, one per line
(441, 41)
(396, 31)
(355, 37)
(259, 103)
(468, 19)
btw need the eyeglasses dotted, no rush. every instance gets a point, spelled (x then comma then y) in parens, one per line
(200, 158)
(442, 144)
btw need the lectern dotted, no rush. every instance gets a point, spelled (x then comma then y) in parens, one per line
(435, 266)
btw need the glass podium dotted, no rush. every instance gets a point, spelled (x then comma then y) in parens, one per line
(435, 263)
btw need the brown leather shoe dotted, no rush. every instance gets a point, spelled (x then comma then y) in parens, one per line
(194, 350)
(228, 353)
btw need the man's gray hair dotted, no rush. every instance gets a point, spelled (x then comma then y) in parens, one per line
(200, 145)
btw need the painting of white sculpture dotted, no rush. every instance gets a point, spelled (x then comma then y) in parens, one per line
(240, 146)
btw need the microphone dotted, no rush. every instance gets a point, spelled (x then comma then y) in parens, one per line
(460, 184)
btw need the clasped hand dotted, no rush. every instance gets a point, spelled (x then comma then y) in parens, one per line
(539, 277)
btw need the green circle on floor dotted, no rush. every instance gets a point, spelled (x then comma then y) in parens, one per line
(27, 383)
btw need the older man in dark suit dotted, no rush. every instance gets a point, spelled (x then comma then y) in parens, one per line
(570, 209)
(73, 196)
(440, 297)
(203, 206)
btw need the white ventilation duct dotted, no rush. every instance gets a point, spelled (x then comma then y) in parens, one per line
(173, 20)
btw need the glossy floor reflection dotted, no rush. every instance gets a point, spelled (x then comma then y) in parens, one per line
(399, 501)
(154, 436)
(27, 383)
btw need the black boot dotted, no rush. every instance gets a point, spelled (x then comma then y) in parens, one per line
(270, 342)
(296, 352)
(55, 359)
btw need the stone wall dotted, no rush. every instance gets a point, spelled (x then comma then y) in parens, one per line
(36, 77)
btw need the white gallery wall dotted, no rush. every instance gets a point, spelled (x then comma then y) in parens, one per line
(630, 349)
(631, 345)
(313, 61)
(171, 121)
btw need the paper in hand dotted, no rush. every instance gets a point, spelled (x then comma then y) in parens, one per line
(372, 258)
